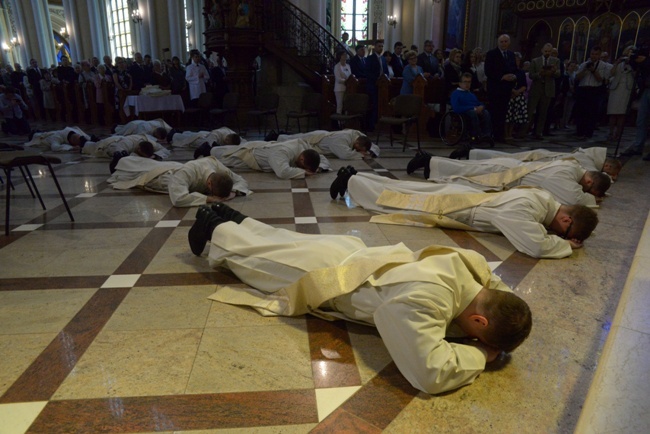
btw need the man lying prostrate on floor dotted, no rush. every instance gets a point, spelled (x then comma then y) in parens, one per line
(118, 144)
(157, 128)
(194, 183)
(346, 144)
(440, 311)
(223, 136)
(589, 158)
(288, 160)
(569, 183)
(522, 215)
(66, 139)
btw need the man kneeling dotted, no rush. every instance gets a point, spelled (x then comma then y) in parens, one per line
(415, 299)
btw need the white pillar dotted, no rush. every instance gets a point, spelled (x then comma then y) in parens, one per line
(19, 53)
(176, 28)
(151, 30)
(99, 32)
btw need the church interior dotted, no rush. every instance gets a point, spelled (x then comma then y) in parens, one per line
(105, 320)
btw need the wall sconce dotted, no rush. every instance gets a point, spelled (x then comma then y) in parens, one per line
(10, 45)
(64, 32)
(189, 24)
(59, 45)
(136, 17)
(392, 20)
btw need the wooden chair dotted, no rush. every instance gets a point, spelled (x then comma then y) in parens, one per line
(355, 107)
(229, 107)
(201, 111)
(266, 105)
(407, 110)
(310, 107)
(21, 160)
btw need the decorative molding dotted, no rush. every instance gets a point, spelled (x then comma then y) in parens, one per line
(57, 11)
(12, 22)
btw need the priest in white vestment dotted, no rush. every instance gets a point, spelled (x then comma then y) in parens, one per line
(416, 300)
(347, 144)
(522, 215)
(293, 159)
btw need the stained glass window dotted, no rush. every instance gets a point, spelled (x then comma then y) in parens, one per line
(354, 19)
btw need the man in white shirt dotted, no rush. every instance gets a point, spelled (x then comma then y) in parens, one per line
(106, 148)
(416, 300)
(197, 76)
(521, 215)
(157, 128)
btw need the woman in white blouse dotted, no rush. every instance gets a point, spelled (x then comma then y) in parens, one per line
(341, 73)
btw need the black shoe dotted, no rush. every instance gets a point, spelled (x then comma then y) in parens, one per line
(226, 213)
(170, 135)
(421, 160)
(201, 230)
(352, 170)
(340, 184)
(202, 151)
(116, 159)
(460, 153)
(630, 152)
(271, 136)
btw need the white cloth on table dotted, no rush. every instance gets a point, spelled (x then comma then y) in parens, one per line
(143, 103)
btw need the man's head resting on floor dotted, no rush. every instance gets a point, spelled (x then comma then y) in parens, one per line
(499, 319)
(160, 133)
(362, 144)
(75, 139)
(232, 140)
(574, 222)
(144, 149)
(308, 160)
(219, 185)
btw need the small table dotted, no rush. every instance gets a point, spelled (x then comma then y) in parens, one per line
(143, 104)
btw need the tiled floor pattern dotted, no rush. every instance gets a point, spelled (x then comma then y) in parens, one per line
(105, 325)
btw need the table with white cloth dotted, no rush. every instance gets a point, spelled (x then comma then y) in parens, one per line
(144, 106)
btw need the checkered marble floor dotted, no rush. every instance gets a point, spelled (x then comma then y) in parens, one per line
(105, 325)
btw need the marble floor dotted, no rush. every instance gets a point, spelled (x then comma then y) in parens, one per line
(105, 324)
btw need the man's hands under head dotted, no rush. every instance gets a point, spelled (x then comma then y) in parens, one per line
(491, 352)
(212, 199)
(575, 244)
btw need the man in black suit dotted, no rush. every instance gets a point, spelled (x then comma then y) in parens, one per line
(376, 66)
(500, 70)
(427, 61)
(358, 62)
(34, 75)
(396, 60)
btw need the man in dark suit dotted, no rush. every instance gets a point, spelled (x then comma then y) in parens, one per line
(396, 60)
(500, 70)
(358, 62)
(427, 61)
(34, 75)
(543, 71)
(375, 67)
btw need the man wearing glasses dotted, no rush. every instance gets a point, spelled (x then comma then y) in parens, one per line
(523, 215)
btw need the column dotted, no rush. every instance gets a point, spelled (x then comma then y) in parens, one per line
(99, 33)
(176, 29)
(484, 18)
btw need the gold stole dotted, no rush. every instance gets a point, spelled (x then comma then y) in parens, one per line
(318, 286)
(434, 208)
(501, 180)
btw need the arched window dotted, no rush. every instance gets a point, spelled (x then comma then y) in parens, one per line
(354, 19)
(119, 27)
